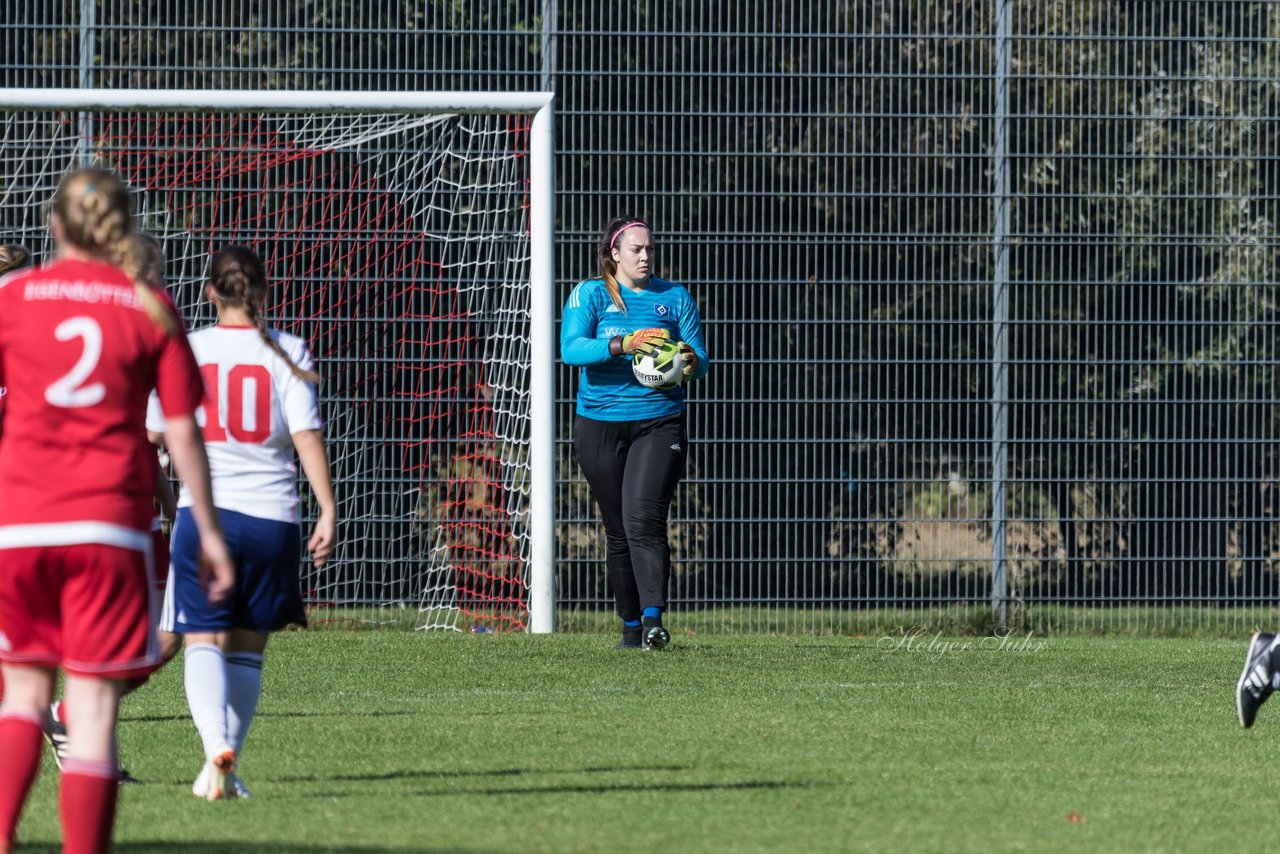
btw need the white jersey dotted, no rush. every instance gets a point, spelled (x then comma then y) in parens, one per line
(260, 403)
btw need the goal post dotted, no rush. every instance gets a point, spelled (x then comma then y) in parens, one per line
(412, 234)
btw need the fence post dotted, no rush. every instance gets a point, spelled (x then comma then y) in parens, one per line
(999, 322)
(548, 45)
(84, 120)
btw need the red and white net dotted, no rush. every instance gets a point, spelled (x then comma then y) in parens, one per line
(397, 246)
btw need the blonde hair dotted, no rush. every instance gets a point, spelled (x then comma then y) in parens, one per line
(13, 256)
(240, 281)
(604, 254)
(96, 213)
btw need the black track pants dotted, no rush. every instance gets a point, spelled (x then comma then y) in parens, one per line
(633, 468)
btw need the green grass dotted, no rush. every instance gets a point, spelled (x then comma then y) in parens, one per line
(1205, 621)
(1174, 621)
(439, 742)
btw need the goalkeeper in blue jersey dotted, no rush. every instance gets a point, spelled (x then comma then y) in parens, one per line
(631, 440)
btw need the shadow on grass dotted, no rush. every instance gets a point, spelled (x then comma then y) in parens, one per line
(429, 774)
(232, 846)
(432, 774)
(603, 789)
(354, 713)
(658, 786)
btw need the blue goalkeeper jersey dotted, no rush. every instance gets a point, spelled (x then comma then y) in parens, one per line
(608, 391)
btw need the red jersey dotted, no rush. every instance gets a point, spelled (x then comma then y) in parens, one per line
(79, 356)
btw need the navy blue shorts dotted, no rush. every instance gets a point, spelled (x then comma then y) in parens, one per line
(267, 596)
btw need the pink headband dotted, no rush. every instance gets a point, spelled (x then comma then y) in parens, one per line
(613, 240)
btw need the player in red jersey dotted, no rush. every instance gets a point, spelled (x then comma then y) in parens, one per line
(13, 256)
(90, 339)
(151, 252)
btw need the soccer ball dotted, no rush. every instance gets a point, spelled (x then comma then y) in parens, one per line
(661, 368)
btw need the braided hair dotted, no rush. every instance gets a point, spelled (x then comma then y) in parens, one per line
(238, 278)
(96, 212)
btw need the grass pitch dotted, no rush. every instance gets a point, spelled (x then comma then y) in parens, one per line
(388, 741)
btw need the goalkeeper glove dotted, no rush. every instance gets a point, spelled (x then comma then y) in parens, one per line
(643, 340)
(690, 359)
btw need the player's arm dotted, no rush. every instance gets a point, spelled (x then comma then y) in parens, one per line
(691, 334)
(315, 465)
(579, 345)
(302, 415)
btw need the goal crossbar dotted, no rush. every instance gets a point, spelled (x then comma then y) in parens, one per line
(541, 247)
(213, 100)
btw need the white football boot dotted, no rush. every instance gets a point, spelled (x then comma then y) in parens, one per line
(215, 780)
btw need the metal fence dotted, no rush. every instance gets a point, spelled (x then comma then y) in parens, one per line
(989, 287)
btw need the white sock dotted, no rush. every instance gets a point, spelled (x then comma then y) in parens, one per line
(205, 671)
(244, 686)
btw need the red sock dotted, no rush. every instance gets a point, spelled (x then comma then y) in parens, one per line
(87, 801)
(20, 747)
(62, 712)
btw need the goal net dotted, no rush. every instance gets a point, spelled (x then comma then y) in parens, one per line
(398, 245)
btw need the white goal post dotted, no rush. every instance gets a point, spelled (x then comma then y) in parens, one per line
(536, 519)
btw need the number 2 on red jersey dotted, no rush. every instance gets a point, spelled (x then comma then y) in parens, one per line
(70, 391)
(238, 381)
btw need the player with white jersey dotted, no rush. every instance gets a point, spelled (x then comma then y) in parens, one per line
(260, 407)
(89, 339)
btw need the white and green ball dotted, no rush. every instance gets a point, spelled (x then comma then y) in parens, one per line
(660, 368)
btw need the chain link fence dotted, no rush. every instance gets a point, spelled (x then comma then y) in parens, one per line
(989, 287)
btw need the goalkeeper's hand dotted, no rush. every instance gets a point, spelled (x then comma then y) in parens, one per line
(690, 360)
(643, 340)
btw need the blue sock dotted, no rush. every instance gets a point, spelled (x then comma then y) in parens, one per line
(653, 613)
(631, 624)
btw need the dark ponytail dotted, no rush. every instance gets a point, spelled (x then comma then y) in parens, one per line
(240, 281)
